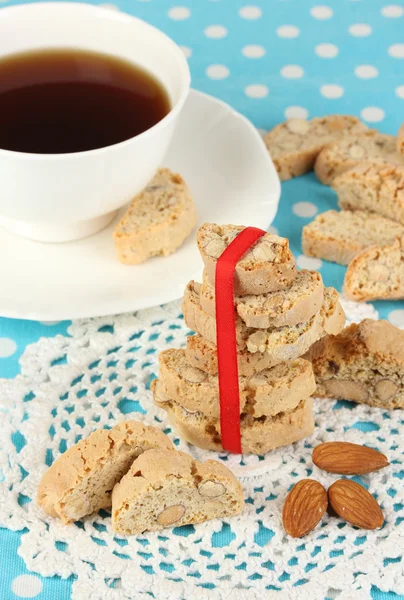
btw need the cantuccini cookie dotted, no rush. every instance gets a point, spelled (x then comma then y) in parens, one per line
(81, 480)
(376, 273)
(294, 304)
(339, 236)
(266, 393)
(157, 221)
(267, 267)
(376, 189)
(295, 144)
(258, 436)
(368, 147)
(169, 488)
(364, 363)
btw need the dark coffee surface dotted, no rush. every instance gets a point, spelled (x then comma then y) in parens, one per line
(69, 100)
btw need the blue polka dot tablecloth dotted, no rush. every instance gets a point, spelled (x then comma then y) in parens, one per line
(270, 59)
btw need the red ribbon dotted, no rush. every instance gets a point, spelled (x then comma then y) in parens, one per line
(226, 337)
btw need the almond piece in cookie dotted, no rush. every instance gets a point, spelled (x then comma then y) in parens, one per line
(364, 363)
(81, 480)
(295, 144)
(166, 489)
(267, 267)
(157, 221)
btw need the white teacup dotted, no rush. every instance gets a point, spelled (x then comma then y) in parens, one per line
(62, 197)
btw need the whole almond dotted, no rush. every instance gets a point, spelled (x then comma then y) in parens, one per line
(353, 503)
(348, 459)
(304, 507)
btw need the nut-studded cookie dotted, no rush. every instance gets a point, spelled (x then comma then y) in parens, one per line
(295, 144)
(369, 147)
(290, 306)
(81, 480)
(158, 220)
(267, 393)
(166, 488)
(364, 363)
(267, 267)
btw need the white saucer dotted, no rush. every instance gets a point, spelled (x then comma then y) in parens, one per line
(225, 163)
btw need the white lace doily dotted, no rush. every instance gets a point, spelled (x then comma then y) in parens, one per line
(70, 386)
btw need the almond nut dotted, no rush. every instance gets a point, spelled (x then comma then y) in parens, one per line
(193, 374)
(385, 389)
(348, 459)
(356, 152)
(299, 126)
(263, 251)
(211, 489)
(274, 303)
(215, 248)
(346, 389)
(353, 503)
(304, 507)
(171, 515)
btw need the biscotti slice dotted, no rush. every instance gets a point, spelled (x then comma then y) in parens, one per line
(81, 480)
(203, 355)
(287, 343)
(292, 305)
(267, 393)
(364, 363)
(165, 489)
(373, 188)
(198, 320)
(295, 144)
(258, 436)
(157, 221)
(339, 236)
(368, 147)
(376, 273)
(267, 267)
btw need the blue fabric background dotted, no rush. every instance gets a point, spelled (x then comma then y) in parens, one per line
(256, 82)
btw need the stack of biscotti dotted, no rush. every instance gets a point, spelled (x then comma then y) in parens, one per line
(280, 313)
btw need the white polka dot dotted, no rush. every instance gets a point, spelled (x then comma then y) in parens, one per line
(110, 6)
(292, 72)
(393, 11)
(179, 13)
(400, 91)
(250, 12)
(273, 230)
(187, 51)
(396, 317)
(256, 90)
(397, 50)
(360, 30)
(307, 262)
(296, 112)
(26, 586)
(49, 323)
(7, 347)
(253, 51)
(373, 114)
(217, 71)
(288, 31)
(215, 31)
(366, 72)
(327, 50)
(332, 91)
(304, 209)
(321, 12)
